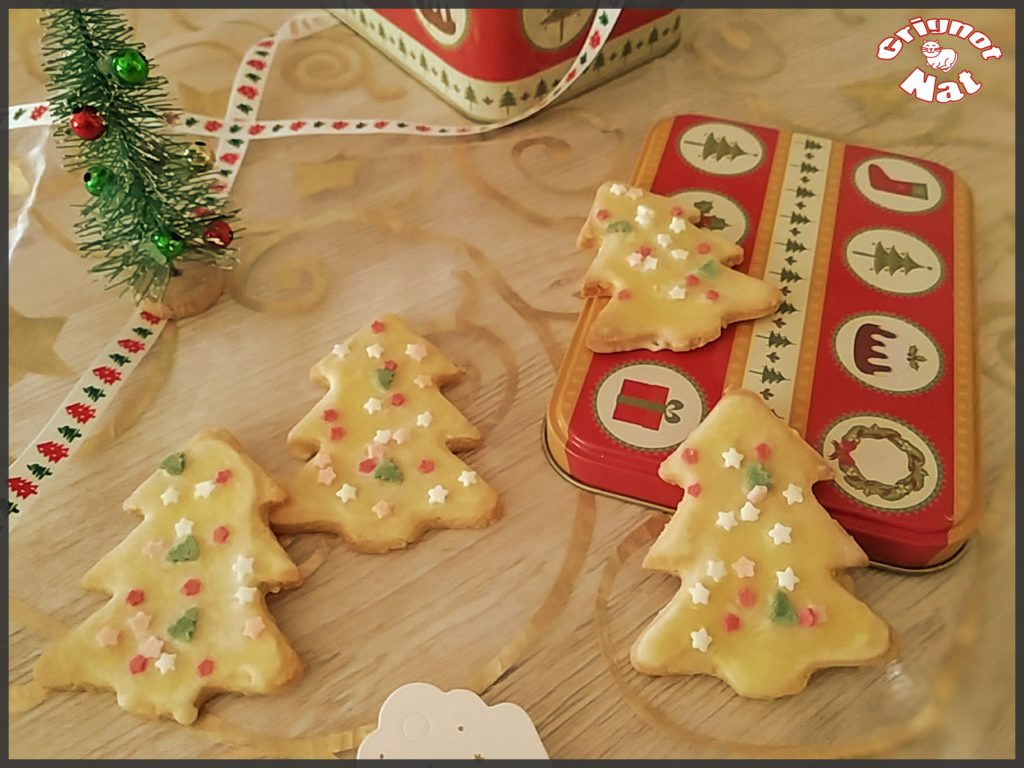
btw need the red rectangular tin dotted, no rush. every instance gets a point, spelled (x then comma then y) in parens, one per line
(870, 356)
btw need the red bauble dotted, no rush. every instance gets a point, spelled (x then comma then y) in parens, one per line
(87, 124)
(218, 233)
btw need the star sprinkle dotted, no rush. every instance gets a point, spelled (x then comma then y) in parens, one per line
(243, 567)
(744, 568)
(166, 662)
(245, 595)
(423, 381)
(700, 639)
(468, 477)
(679, 254)
(757, 493)
(617, 189)
(664, 240)
(372, 405)
(107, 637)
(726, 520)
(416, 351)
(779, 534)
(346, 493)
(732, 458)
(326, 476)
(382, 437)
(787, 579)
(151, 647)
(794, 494)
(154, 550)
(716, 570)
(169, 496)
(382, 509)
(254, 627)
(635, 259)
(183, 528)
(678, 224)
(644, 215)
(139, 623)
(374, 351)
(699, 594)
(424, 419)
(677, 292)
(322, 459)
(749, 512)
(204, 489)
(340, 350)
(635, 193)
(401, 435)
(437, 494)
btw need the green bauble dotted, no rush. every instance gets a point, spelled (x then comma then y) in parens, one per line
(130, 66)
(168, 245)
(97, 179)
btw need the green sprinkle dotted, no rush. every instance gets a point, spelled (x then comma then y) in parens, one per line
(185, 626)
(388, 471)
(782, 610)
(709, 268)
(184, 551)
(384, 377)
(758, 475)
(174, 464)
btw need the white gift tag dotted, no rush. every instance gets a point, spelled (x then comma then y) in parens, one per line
(420, 720)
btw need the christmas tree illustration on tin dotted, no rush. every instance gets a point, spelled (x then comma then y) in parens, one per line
(669, 283)
(719, 147)
(381, 469)
(759, 605)
(888, 259)
(187, 616)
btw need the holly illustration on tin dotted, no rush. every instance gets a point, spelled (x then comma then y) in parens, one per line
(187, 615)
(759, 604)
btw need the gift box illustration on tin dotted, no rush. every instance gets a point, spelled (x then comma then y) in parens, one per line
(645, 405)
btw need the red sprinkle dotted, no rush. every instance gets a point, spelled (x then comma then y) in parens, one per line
(390, 365)
(747, 597)
(704, 248)
(711, 295)
(693, 489)
(191, 587)
(764, 451)
(676, 211)
(135, 596)
(692, 279)
(377, 326)
(366, 466)
(398, 399)
(690, 455)
(624, 294)
(337, 433)
(426, 466)
(330, 414)
(204, 668)
(137, 664)
(223, 477)
(808, 618)
(602, 215)
(220, 534)
(732, 622)
(645, 251)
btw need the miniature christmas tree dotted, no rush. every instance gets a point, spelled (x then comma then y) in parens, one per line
(760, 605)
(668, 282)
(150, 208)
(719, 147)
(187, 616)
(380, 441)
(890, 260)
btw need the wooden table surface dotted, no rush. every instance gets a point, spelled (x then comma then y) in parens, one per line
(473, 241)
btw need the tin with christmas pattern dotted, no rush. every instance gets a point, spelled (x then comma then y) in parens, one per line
(870, 355)
(495, 63)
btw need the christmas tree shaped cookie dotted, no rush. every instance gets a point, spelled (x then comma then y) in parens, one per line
(669, 283)
(380, 444)
(187, 616)
(759, 605)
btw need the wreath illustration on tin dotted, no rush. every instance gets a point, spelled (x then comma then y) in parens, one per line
(842, 452)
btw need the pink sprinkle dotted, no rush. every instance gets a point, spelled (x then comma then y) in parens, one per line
(137, 664)
(693, 489)
(330, 414)
(377, 326)
(426, 466)
(711, 295)
(624, 294)
(191, 587)
(645, 251)
(223, 477)
(205, 668)
(390, 365)
(676, 211)
(692, 279)
(732, 622)
(337, 433)
(398, 399)
(747, 597)
(602, 214)
(690, 455)
(807, 617)
(366, 466)
(135, 596)
(220, 534)
(764, 451)
(704, 248)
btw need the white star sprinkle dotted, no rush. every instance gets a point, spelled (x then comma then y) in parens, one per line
(382, 437)
(644, 215)
(664, 240)
(650, 264)
(254, 627)
(424, 419)
(139, 623)
(726, 520)
(635, 259)
(416, 351)
(326, 475)
(699, 594)
(204, 489)
(677, 225)
(242, 567)
(245, 595)
(467, 478)
(757, 493)
(732, 458)
(701, 639)
(166, 662)
(401, 435)
(347, 493)
(151, 647)
(617, 189)
(382, 509)
(372, 405)
(744, 568)
(169, 496)
(340, 350)
(780, 534)
(749, 512)
(677, 292)
(437, 494)
(716, 570)
(374, 351)
(423, 381)
(183, 528)
(787, 579)
(680, 254)
(107, 637)
(154, 550)
(794, 494)
(635, 193)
